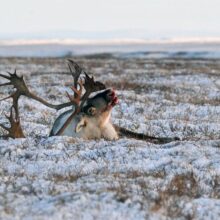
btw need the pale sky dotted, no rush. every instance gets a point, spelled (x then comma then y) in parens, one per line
(192, 17)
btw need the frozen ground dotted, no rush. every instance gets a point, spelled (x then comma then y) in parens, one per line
(65, 178)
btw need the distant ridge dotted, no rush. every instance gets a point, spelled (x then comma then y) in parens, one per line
(120, 49)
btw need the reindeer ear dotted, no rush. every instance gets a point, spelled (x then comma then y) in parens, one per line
(81, 124)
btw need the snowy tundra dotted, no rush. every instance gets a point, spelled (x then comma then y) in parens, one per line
(45, 177)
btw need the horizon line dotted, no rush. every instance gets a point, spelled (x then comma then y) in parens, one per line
(110, 41)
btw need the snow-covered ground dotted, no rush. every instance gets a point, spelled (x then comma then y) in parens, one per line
(66, 178)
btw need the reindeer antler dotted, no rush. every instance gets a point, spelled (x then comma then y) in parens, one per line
(15, 129)
(77, 71)
(89, 84)
(22, 89)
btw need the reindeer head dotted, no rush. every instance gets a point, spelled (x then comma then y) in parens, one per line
(100, 105)
(91, 110)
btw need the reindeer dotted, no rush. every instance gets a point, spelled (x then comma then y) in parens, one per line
(92, 114)
(89, 117)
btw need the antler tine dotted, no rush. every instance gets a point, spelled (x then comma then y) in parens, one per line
(75, 70)
(76, 73)
(74, 100)
(77, 94)
(4, 76)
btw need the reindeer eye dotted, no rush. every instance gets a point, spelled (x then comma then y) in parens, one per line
(92, 111)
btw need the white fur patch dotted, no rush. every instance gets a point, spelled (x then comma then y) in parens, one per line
(95, 93)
